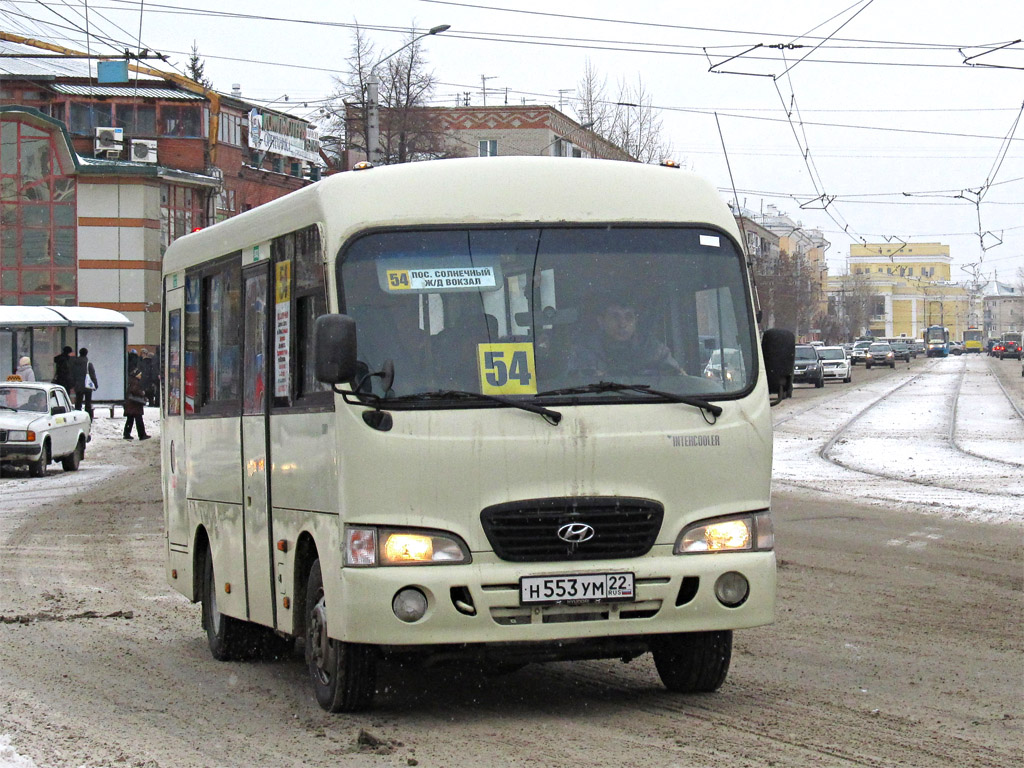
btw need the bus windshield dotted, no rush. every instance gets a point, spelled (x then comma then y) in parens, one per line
(524, 311)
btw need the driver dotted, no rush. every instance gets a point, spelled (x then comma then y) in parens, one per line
(619, 349)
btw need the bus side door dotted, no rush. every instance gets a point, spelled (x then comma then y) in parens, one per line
(256, 445)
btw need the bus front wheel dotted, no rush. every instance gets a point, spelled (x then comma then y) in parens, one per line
(344, 675)
(693, 662)
(230, 639)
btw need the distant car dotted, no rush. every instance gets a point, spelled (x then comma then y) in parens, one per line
(733, 363)
(956, 348)
(807, 368)
(880, 354)
(835, 363)
(859, 351)
(38, 426)
(917, 347)
(997, 349)
(1010, 349)
(901, 350)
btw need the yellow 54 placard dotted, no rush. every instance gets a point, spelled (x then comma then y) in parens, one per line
(507, 369)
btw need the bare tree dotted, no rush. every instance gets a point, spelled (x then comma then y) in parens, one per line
(591, 104)
(408, 132)
(629, 121)
(636, 125)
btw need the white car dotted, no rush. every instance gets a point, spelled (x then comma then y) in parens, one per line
(38, 426)
(836, 364)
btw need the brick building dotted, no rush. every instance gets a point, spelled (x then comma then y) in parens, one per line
(104, 164)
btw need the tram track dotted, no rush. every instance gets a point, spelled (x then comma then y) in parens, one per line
(826, 451)
(944, 434)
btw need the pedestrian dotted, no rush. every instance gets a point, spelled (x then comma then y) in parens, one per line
(62, 370)
(134, 407)
(25, 369)
(85, 380)
(148, 367)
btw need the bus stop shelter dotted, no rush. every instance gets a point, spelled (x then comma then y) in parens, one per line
(41, 333)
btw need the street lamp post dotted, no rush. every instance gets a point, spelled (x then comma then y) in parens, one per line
(372, 84)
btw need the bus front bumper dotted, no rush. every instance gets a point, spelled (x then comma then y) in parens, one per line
(480, 603)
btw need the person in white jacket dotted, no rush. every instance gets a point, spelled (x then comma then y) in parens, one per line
(25, 369)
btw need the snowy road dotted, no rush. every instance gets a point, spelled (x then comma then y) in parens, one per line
(897, 641)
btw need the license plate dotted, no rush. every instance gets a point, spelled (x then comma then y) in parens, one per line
(580, 588)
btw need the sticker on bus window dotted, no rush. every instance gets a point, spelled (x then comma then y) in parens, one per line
(438, 280)
(711, 240)
(507, 369)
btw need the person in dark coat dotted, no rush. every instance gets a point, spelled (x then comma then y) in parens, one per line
(62, 370)
(81, 367)
(149, 368)
(134, 407)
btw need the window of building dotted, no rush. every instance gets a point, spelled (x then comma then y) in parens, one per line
(38, 218)
(229, 129)
(182, 209)
(83, 117)
(180, 120)
(488, 148)
(136, 119)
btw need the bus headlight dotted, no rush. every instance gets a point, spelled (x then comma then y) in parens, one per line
(370, 546)
(728, 534)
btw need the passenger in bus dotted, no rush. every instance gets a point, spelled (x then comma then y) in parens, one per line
(454, 349)
(619, 349)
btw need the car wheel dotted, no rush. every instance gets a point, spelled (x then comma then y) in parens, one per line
(344, 675)
(37, 468)
(693, 662)
(847, 380)
(72, 460)
(820, 382)
(893, 365)
(867, 366)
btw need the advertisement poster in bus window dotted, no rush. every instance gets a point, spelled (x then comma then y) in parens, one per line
(191, 341)
(282, 329)
(174, 363)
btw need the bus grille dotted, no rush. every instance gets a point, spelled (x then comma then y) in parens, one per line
(528, 531)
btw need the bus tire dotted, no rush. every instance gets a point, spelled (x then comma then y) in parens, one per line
(693, 662)
(230, 639)
(344, 675)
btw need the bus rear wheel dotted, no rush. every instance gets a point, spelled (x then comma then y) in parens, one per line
(693, 662)
(344, 675)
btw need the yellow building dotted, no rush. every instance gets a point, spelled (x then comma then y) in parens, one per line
(906, 288)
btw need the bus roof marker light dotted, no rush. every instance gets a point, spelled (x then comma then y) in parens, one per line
(362, 166)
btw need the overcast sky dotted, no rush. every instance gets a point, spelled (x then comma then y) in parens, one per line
(873, 129)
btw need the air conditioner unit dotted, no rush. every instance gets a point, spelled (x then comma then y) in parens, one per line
(108, 139)
(144, 150)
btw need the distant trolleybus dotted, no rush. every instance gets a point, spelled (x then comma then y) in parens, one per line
(462, 411)
(936, 341)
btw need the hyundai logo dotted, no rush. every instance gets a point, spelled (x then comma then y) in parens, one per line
(576, 533)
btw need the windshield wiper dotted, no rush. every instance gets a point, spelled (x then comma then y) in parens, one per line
(552, 417)
(9, 408)
(614, 386)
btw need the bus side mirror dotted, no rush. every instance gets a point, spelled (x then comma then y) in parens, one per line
(334, 344)
(779, 349)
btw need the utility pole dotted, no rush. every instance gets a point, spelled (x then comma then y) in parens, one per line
(372, 105)
(483, 85)
(561, 97)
